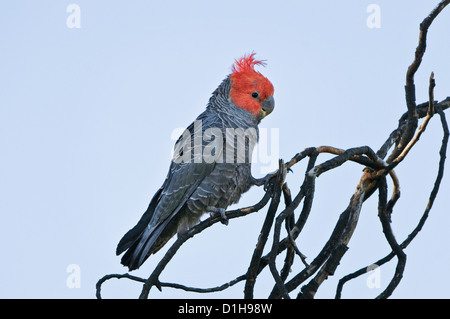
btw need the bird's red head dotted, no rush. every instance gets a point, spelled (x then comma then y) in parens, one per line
(251, 90)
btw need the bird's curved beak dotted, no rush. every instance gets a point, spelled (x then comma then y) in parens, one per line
(267, 106)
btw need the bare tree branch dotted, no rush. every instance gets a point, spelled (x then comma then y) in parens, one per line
(418, 228)
(374, 178)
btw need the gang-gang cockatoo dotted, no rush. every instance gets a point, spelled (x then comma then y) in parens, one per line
(211, 166)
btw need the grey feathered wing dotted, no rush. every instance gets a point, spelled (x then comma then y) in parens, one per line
(158, 224)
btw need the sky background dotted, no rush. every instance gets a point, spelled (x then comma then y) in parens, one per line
(87, 114)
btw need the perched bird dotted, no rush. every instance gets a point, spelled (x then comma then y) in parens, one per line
(206, 174)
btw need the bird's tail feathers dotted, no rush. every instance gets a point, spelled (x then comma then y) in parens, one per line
(146, 245)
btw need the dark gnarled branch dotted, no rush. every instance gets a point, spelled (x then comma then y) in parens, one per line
(378, 166)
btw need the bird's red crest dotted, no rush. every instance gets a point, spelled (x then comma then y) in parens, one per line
(246, 63)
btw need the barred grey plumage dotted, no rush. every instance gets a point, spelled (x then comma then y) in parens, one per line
(192, 188)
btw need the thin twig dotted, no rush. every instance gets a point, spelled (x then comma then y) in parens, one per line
(387, 230)
(253, 268)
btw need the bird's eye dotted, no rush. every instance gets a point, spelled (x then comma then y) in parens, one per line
(255, 94)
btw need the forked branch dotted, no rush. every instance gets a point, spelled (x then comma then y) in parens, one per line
(294, 215)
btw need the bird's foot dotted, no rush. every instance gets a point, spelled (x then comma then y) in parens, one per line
(218, 212)
(264, 180)
(282, 170)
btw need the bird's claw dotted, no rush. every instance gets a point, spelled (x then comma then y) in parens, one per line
(266, 179)
(219, 212)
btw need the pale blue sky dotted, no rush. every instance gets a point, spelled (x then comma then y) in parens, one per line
(86, 117)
